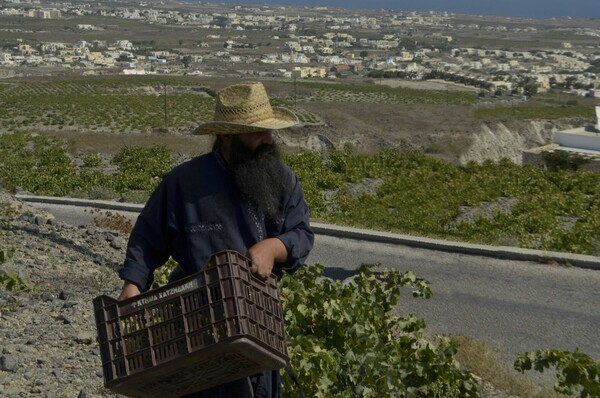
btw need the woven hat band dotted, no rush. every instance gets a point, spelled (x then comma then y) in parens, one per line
(248, 114)
(245, 108)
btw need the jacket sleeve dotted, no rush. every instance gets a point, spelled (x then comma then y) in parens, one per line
(148, 246)
(296, 235)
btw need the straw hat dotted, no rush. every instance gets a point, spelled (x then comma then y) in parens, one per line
(245, 108)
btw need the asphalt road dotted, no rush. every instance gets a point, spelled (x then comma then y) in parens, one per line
(513, 306)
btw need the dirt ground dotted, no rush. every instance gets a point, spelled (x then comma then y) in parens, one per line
(371, 127)
(444, 131)
(110, 143)
(440, 130)
(368, 128)
(428, 85)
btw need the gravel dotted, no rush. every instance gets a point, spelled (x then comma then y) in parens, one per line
(48, 346)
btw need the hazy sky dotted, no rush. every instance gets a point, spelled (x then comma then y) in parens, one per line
(524, 8)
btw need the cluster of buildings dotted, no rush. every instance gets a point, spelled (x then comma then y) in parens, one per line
(390, 42)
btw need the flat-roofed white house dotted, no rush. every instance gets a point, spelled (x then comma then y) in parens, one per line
(581, 138)
(584, 141)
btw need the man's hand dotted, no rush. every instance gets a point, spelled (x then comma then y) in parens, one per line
(265, 254)
(130, 289)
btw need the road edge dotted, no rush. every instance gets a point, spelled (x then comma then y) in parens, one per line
(501, 252)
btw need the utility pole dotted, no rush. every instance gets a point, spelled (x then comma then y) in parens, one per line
(165, 92)
(295, 75)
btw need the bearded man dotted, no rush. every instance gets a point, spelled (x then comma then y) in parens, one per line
(238, 197)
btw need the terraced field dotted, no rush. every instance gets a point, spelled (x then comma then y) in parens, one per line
(327, 92)
(354, 111)
(132, 105)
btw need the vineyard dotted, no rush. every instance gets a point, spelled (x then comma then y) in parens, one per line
(138, 104)
(497, 203)
(418, 195)
(327, 92)
(40, 165)
(146, 104)
(105, 105)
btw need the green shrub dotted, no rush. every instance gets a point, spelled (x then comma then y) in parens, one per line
(345, 339)
(413, 193)
(563, 160)
(141, 168)
(93, 159)
(421, 195)
(12, 282)
(577, 373)
(36, 163)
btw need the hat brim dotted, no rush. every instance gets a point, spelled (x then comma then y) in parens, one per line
(282, 118)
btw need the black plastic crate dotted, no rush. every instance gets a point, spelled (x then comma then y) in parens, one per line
(215, 326)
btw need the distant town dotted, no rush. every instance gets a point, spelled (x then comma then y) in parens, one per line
(302, 42)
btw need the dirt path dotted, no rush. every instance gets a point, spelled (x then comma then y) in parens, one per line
(427, 85)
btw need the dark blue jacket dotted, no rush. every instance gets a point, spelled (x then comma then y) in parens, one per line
(197, 211)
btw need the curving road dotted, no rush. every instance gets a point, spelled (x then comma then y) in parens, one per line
(512, 305)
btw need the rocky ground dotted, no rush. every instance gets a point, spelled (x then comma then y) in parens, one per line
(48, 336)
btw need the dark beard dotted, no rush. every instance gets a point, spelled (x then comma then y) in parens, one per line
(259, 175)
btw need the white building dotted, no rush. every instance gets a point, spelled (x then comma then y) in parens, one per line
(124, 45)
(134, 72)
(34, 60)
(293, 46)
(503, 67)
(45, 14)
(52, 47)
(582, 138)
(299, 58)
(583, 141)
(80, 44)
(406, 56)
